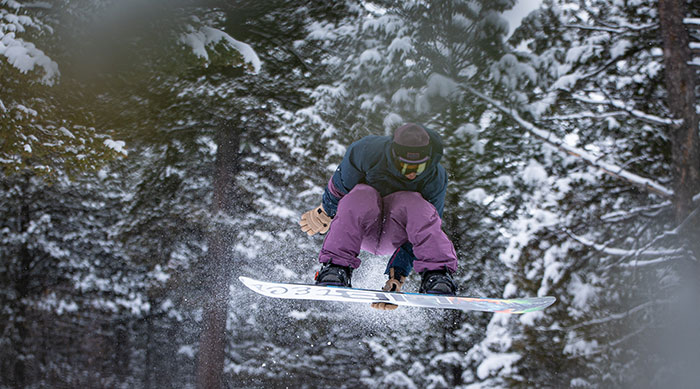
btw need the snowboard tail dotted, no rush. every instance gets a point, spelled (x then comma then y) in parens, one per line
(334, 293)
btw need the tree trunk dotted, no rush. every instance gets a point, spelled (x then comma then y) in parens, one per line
(680, 86)
(21, 378)
(150, 345)
(218, 268)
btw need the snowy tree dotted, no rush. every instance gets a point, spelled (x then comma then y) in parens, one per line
(64, 278)
(598, 231)
(223, 144)
(562, 145)
(45, 222)
(190, 96)
(38, 134)
(408, 66)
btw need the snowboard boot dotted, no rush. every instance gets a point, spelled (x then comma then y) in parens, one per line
(437, 282)
(334, 275)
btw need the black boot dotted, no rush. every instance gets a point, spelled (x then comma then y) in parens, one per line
(437, 282)
(334, 275)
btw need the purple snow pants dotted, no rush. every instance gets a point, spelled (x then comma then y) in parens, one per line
(380, 225)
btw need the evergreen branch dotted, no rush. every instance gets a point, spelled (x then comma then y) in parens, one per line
(617, 28)
(553, 140)
(643, 252)
(614, 30)
(592, 15)
(634, 112)
(278, 43)
(602, 68)
(585, 115)
(649, 262)
(594, 28)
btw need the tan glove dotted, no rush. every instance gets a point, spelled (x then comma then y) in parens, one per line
(393, 285)
(315, 221)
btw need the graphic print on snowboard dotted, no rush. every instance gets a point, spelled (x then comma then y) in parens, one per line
(330, 293)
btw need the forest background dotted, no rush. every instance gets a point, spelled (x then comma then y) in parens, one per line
(153, 151)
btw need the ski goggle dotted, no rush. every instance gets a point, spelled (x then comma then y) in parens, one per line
(411, 159)
(409, 167)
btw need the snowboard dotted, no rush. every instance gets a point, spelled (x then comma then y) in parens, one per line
(355, 295)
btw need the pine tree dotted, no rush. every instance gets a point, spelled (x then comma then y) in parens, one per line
(45, 148)
(38, 133)
(226, 123)
(409, 65)
(599, 100)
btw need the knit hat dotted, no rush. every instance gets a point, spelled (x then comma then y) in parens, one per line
(411, 144)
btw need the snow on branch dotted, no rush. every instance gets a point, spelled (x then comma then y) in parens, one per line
(548, 137)
(634, 112)
(24, 55)
(615, 30)
(642, 252)
(585, 115)
(205, 37)
(649, 262)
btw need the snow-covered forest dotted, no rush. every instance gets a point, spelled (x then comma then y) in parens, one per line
(152, 151)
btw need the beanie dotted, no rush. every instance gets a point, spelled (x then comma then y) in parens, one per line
(411, 143)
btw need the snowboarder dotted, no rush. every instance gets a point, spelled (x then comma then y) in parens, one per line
(386, 196)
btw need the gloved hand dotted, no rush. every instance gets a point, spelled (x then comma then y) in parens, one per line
(393, 285)
(315, 221)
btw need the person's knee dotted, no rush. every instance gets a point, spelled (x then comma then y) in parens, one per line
(362, 197)
(411, 200)
(363, 190)
(407, 196)
(362, 194)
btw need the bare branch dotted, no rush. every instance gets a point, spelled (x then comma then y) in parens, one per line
(625, 215)
(649, 210)
(609, 345)
(666, 234)
(615, 316)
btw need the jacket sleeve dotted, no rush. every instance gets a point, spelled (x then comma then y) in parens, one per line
(348, 174)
